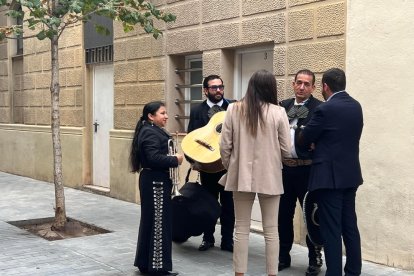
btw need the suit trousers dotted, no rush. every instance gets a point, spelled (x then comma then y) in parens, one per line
(210, 182)
(338, 220)
(269, 207)
(295, 186)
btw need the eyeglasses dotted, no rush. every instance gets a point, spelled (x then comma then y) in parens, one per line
(215, 87)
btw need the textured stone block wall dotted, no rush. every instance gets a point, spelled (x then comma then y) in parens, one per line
(32, 100)
(4, 72)
(139, 73)
(304, 34)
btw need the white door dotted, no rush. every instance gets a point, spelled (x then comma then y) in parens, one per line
(250, 62)
(103, 106)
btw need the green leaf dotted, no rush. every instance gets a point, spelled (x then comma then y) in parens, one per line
(41, 35)
(127, 27)
(148, 28)
(102, 30)
(15, 14)
(55, 21)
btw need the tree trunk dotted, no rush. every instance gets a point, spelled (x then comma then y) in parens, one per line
(60, 210)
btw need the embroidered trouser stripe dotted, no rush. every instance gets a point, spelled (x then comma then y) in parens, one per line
(157, 261)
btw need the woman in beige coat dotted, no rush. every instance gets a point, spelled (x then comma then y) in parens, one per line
(254, 139)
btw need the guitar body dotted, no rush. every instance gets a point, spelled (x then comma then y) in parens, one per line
(202, 145)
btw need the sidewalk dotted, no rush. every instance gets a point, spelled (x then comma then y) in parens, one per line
(22, 253)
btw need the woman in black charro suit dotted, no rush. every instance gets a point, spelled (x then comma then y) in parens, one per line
(149, 156)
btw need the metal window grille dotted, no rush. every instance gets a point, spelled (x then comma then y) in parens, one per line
(191, 92)
(99, 54)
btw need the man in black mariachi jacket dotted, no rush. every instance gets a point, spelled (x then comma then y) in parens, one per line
(213, 89)
(296, 170)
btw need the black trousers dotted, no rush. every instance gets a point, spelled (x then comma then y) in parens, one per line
(154, 244)
(210, 182)
(295, 185)
(338, 220)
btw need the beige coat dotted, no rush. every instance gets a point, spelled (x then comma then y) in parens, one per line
(254, 164)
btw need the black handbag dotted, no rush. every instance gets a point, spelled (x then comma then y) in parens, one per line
(193, 211)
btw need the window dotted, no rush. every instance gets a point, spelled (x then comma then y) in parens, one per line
(191, 90)
(194, 94)
(98, 47)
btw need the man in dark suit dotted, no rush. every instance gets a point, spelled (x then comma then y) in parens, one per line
(213, 89)
(296, 170)
(335, 130)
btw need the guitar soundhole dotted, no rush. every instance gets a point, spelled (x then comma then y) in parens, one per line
(218, 128)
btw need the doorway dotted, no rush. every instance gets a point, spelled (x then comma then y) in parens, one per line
(249, 61)
(103, 118)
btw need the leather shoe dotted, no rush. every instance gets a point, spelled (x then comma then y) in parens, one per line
(282, 266)
(164, 273)
(205, 245)
(313, 270)
(227, 247)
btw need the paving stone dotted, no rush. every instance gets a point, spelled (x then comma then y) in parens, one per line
(112, 254)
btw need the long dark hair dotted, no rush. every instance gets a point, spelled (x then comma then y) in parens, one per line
(262, 89)
(134, 159)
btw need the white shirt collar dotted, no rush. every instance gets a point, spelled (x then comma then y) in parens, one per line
(336, 93)
(302, 103)
(210, 103)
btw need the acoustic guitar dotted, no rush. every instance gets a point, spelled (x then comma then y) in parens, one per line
(202, 145)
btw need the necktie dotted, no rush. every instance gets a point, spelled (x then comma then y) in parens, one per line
(214, 109)
(298, 111)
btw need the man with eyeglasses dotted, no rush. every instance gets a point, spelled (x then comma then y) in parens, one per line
(213, 89)
(296, 171)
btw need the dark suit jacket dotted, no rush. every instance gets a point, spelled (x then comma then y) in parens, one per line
(335, 128)
(302, 151)
(199, 115)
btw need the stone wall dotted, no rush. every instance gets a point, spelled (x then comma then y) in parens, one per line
(4, 75)
(304, 34)
(32, 104)
(313, 34)
(379, 67)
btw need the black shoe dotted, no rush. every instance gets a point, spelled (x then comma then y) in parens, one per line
(227, 247)
(313, 270)
(205, 245)
(164, 273)
(282, 266)
(171, 273)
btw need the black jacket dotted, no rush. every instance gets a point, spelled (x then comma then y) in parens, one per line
(199, 115)
(336, 129)
(153, 145)
(302, 151)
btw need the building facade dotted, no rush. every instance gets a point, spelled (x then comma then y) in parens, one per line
(104, 89)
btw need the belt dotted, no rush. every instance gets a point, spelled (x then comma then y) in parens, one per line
(293, 162)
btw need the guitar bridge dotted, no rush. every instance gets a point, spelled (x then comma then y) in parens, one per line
(204, 144)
